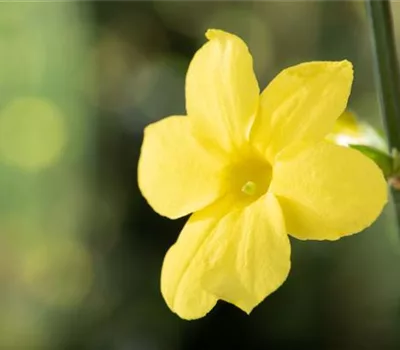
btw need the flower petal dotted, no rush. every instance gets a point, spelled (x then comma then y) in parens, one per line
(240, 257)
(301, 103)
(328, 191)
(248, 255)
(184, 266)
(221, 90)
(176, 175)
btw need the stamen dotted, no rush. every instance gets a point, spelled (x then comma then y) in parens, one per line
(249, 188)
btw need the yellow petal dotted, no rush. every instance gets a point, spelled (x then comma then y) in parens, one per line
(247, 256)
(176, 174)
(327, 191)
(240, 257)
(184, 266)
(301, 103)
(221, 90)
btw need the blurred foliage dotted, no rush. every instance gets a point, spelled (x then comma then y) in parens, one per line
(81, 251)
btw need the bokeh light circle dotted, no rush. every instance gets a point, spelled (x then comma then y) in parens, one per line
(32, 133)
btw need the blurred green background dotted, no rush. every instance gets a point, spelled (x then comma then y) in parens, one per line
(81, 251)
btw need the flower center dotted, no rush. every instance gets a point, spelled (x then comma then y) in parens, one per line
(249, 188)
(250, 178)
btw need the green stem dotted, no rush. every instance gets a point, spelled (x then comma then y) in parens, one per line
(387, 74)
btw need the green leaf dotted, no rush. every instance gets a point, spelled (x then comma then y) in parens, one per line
(383, 160)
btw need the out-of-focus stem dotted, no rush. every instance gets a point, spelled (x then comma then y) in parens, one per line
(387, 74)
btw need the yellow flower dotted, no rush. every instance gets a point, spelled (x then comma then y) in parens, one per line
(252, 168)
(348, 130)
